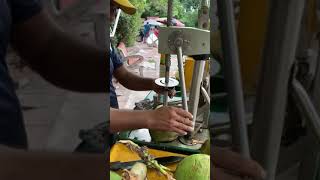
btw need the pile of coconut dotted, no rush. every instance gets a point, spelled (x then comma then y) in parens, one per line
(192, 167)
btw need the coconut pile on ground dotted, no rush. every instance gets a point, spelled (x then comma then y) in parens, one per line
(196, 166)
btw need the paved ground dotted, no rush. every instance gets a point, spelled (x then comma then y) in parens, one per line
(54, 116)
(150, 67)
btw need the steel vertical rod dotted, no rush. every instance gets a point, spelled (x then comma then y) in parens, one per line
(205, 94)
(182, 79)
(168, 56)
(233, 77)
(279, 53)
(194, 96)
(198, 70)
(306, 107)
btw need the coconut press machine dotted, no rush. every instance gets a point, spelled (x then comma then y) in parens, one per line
(195, 43)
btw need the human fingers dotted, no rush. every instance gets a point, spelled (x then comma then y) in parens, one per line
(235, 162)
(179, 131)
(172, 93)
(182, 126)
(221, 174)
(183, 113)
(184, 120)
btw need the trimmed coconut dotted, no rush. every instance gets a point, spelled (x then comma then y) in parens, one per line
(137, 172)
(162, 136)
(205, 149)
(196, 166)
(114, 176)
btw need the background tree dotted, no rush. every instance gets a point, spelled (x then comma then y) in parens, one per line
(159, 8)
(129, 26)
(191, 5)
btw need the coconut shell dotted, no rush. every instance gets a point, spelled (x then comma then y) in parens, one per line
(137, 172)
(162, 136)
(140, 170)
(205, 149)
(115, 176)
(196, 166)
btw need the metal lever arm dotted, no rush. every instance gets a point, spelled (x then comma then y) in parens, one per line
(182, 79)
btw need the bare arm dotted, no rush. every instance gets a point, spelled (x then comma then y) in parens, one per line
(122, 120)
(133, 81)
(165, 119)
(60, 58)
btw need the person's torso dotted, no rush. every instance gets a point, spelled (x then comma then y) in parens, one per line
(9, 104)
(113, 95)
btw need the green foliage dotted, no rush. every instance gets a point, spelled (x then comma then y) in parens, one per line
(160, 7)
(191, 5)
(155, 8)
(129, 26)
(184, 10)
(190, 19)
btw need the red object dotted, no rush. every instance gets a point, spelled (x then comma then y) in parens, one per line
(156, 32)
(175, 22)
(152, 17)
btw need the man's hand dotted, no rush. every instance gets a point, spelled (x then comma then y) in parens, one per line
(170, 119)
(228, 165)
(161, 90)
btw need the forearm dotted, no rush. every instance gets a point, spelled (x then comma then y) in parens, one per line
(122, 120)
(137, 83)
(51, 166)
(61, 59)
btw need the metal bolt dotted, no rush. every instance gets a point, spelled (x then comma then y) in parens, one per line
(179, 42)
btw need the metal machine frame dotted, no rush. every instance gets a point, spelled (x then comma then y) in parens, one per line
(188, 41)
(279, 83)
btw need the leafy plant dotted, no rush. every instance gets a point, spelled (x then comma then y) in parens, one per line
(129, 25)
(159, 8)
(191, 5)
(190, 19)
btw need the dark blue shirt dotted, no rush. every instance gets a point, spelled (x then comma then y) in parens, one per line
(147, 28)
(11, 122)
(115, 63)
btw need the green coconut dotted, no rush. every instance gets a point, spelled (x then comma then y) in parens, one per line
(196, 166)
(205, 149)
(115, 176)
(162, 136)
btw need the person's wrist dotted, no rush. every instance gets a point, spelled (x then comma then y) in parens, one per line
(148, 119)
(153, 84)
